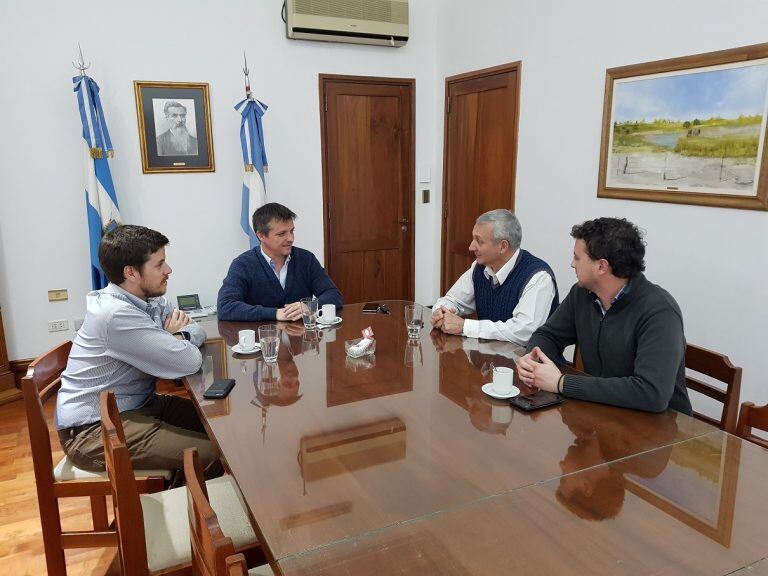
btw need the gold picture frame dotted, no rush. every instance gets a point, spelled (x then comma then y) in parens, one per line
(687, 131)
(174, 126)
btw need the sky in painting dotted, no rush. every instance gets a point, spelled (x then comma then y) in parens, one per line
(726, 93)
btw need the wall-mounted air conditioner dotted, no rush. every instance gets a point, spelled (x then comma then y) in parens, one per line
(382, 22)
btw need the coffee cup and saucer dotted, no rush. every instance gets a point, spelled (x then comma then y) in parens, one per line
(246, 342)
(327, 315)
(502, 387)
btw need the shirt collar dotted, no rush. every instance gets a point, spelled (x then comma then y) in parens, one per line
(504, 271)
(272, 262)
(622, 292)
(122, 294)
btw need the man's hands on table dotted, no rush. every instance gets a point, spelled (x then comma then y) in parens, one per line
(537, 371)
(290, 313)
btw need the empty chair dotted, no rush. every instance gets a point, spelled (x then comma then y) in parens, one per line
(751, 416)
(65, 480)
(719, 367)
(213, 553)
(152, 529)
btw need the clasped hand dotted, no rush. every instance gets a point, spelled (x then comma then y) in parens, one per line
(537, 371)
(290, 313)
(446, 319)
(176, 320)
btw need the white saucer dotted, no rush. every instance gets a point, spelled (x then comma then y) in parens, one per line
(236, 348)
(331, 323)
(488, 389)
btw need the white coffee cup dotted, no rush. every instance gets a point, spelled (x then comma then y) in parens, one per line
(328, 313)
(246, 339)
(502, 380)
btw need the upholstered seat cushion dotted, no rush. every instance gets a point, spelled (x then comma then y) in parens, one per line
(66, 470)
(166, 524)
(261, 571)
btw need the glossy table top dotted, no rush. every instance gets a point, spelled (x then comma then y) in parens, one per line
(342, 460)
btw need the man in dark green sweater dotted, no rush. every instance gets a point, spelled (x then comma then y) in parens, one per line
(629, 331)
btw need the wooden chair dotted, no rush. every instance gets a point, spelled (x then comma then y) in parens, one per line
(213, 553)
(751, 416)
(719, 367)
(152, 529)
(65, 480)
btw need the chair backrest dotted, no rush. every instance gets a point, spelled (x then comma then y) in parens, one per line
(719, 367)
(42, 381)
(210, 547)
(752, 416)
(129, 518)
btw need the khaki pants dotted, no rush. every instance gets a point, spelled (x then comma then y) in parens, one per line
(156, 436)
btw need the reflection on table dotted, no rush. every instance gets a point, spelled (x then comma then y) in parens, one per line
(318, 448)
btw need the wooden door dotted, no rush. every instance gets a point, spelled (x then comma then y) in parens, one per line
(479, 159)
(368, 185)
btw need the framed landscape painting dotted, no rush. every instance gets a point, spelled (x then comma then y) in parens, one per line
(688, 130)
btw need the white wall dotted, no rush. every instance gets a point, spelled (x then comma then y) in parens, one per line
(714, 261)
(42, 212)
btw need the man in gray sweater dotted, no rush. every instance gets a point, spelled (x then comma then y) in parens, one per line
(629, 331)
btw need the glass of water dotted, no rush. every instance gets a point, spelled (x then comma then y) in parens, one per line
(414, 319)
(309, 312)
(269, 338)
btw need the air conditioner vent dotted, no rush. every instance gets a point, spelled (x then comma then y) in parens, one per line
(395, 12)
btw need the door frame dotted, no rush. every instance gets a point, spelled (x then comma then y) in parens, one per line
(449, 80)
(410, 168)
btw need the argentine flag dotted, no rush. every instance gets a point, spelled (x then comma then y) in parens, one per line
(254, 192)
(100, 198)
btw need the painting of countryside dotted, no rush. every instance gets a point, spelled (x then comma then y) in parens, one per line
(699, 130)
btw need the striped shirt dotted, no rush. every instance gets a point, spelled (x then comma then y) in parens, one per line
(122, 347)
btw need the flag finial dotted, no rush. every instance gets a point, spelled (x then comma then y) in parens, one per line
(80, 62)
(247, 79)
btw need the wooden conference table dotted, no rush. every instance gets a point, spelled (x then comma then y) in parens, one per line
(399, 464)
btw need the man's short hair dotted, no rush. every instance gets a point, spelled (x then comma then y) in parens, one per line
(272, 211)
(616, 240)
(173, 104)
(506, 226)
(128, 245)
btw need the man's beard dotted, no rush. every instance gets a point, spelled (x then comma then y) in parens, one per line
(179, 130)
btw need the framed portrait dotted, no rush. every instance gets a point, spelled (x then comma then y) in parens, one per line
(688, 130)
(174, 127)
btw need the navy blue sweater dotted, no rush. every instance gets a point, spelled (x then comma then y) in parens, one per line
(251, 291)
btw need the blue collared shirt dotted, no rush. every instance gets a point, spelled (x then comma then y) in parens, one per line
(283, 274)
(624, 290)
(122, 347)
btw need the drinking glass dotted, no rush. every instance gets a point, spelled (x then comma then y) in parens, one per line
(413, 354)
(309, 312)
(414, 319)
(269, 338)
(269, 379)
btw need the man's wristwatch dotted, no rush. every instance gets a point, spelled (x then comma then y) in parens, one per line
(184, 335)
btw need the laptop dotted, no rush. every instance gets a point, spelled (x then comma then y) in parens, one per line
(190, 303)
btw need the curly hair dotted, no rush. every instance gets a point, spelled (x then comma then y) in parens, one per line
(616, 240)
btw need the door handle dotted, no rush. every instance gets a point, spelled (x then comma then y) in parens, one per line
(404, 224)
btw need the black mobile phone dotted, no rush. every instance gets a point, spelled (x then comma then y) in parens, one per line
(539, 399)
(219, 389)
(371, 307)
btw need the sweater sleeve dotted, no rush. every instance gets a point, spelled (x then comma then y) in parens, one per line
(322, 286)
(558, 332)
(660, 350)
(231, 303)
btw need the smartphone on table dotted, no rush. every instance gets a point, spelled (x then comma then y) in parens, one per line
(537, 400)
(219, 389)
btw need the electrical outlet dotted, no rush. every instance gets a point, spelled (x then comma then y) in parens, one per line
(58, 325)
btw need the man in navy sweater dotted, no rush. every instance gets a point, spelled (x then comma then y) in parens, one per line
(512, 291)
(268, 281)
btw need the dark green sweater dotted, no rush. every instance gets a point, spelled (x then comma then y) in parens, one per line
(634, 355)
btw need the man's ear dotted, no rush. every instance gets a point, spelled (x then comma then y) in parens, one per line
(130, 273)
(603, 266)
(260, 236)
(503, 246)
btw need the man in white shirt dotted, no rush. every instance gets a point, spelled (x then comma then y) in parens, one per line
(512, 291)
